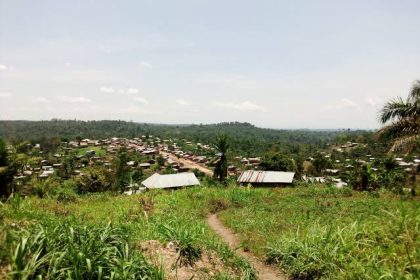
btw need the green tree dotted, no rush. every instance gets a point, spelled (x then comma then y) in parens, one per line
(67, 166)
(390, 163)
(278, 162)
(321, 163)
(6, 171)
(122, 171)
(402, 120)
(222, 146)
(160, 161)
(95, 179)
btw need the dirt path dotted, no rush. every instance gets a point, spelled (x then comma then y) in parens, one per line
(265, 272)
(189, 163)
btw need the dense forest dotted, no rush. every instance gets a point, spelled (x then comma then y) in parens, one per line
(246, 139)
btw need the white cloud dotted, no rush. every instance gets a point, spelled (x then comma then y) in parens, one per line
(182, 102)
(107, 89)
(5, 94)
(145, 64)
(243, 106)
(141, 100)
(374, 101)
(3, 67)
(347, 103)
(344, 103)
(41, 100)
(119, 90)
(234, 81)
(67, 64)
(134, 110)
(74, 99)
(132, 90)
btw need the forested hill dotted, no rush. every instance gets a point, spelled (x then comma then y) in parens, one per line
(245, 138)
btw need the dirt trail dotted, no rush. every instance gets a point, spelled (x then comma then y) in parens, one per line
(265, 272)
(189, 163)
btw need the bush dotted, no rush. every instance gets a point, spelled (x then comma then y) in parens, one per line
(217, 205)
(66, 195)
(94, 180)
(41, 189)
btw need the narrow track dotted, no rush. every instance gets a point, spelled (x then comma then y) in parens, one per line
(264, 271)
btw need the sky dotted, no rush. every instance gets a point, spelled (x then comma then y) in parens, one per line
(277, 64)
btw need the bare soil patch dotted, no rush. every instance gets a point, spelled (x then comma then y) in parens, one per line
(206, 267)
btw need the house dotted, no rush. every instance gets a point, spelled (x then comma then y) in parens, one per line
(170, 181)
(266, 178)
(332, 171)
(145, 165)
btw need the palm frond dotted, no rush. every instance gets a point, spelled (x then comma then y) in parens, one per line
(407, 143)
(395, 108)
(400, 128)
(415, 92)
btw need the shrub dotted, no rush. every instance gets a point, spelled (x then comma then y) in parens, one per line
(94, 180)
(66, 195)
(41, 189)
(217, 205)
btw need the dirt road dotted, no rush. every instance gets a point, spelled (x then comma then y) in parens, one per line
(265, 272)
(189, 163)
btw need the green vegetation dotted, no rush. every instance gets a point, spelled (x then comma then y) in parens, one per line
(310, 232)
(175, 217)
(77, 252)
(63, 215)
(402, 120)
(321, 232)
(245, 139)
(6, 171)
(221, 168)
(98, 151)
(278, 162)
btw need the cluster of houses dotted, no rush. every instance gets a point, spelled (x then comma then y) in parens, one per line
(47, 166)
(150, 147)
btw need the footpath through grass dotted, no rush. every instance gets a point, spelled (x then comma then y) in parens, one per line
(330, 233)
(98, 236)
(312, 233)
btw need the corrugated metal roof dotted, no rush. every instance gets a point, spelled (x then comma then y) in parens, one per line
(157, 181)
(251, 176)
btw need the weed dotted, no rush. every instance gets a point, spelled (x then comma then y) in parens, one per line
(185, 241)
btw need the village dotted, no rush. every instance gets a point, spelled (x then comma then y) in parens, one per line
(176, 163)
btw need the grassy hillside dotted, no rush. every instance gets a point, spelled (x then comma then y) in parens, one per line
(309, 232)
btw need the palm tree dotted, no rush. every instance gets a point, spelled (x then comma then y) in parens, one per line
(402, 120)
(222, 146)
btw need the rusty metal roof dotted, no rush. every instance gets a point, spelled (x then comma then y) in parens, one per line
(251, 176)
(157, 181)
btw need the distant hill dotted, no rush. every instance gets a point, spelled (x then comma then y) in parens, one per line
(246, 138)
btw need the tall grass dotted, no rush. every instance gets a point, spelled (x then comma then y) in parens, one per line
(325, 233)
(77, 252)
(310, 232)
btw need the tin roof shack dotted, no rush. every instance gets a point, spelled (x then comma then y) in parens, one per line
(266, 178)
(170, 181)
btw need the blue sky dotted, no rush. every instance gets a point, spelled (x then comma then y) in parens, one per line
(279, 64)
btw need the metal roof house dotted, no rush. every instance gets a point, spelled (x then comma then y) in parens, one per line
(158, 181)
(266, 178)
